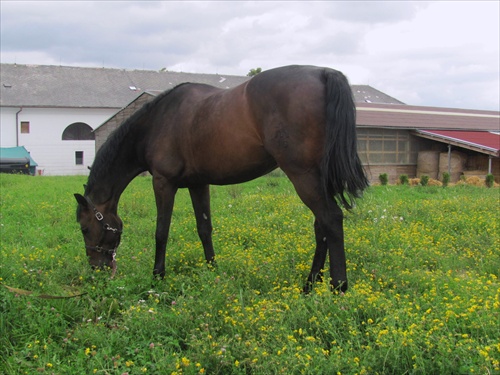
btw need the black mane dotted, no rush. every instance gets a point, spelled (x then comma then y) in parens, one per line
(106, 155)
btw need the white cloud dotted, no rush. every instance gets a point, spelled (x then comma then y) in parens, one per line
(428, 53)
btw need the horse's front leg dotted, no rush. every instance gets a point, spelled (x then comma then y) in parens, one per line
(164, 194)
(200, 197)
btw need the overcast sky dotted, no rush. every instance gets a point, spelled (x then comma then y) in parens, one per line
(424, 53)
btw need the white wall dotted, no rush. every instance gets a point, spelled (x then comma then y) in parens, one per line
(58, 158)
(8, 126)
(44, 142)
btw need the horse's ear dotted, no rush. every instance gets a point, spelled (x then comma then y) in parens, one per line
(81, 200)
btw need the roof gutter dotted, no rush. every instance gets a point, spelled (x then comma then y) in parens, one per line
(425, 111)
(17, 125)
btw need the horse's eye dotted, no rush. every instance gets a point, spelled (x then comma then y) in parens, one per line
(85, 230)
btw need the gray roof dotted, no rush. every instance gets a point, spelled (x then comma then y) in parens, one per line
(367, 94)
(63, 86)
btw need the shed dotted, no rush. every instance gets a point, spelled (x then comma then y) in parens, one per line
(391, 139)
(483, 147)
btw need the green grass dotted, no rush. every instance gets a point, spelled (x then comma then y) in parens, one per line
(423, 266)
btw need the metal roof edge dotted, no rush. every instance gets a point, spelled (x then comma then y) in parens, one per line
(430, 135)
(25, 106)
(396, 108)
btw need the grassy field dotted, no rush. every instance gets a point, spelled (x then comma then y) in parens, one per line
(423, 267)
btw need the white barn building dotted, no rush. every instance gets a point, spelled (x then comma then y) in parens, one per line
(53, 110)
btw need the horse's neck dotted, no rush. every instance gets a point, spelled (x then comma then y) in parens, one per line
(107, 192)
(111, 179)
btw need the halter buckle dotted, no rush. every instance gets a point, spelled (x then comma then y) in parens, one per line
(99, 216)
(106, 226)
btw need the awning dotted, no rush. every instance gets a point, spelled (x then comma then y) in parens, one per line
(12, 153)
(483, 142)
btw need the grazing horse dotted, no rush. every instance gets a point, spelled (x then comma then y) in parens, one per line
(298, 118)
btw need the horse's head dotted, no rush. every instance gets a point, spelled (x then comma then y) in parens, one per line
(101, 233)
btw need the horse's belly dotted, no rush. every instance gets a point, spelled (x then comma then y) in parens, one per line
(232, 169)
(243, 175)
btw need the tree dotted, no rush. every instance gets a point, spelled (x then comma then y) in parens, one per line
(254, 72)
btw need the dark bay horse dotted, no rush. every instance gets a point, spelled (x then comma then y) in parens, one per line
(298, 118)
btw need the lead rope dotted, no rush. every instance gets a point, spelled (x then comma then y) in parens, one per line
(23, 292)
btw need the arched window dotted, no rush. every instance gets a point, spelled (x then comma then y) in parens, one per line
(78, 131)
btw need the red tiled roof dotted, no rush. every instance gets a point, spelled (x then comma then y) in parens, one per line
(486, 142)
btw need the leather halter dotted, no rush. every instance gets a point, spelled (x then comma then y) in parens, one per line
(105, 226)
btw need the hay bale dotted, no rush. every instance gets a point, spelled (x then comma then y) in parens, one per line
(478, 173)
(433, 182)
(428, 164)
(475, 180)
(414, 181)
(457, 165)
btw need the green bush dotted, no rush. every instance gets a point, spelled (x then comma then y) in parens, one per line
(384, 179)
(490, 180)
(403, 179)
(424, 180)
(446, 179)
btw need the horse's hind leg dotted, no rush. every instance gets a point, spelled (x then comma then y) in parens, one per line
(316, 274)
(328, 224)
(200, 197)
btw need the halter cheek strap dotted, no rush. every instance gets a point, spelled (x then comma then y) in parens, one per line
(100, 218)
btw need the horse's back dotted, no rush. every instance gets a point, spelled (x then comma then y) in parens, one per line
(209, 137)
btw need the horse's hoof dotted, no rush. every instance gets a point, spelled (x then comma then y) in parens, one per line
(340, 287)
(307, 289)
(212, 265)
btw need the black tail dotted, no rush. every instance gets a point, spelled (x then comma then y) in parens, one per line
(343, 174)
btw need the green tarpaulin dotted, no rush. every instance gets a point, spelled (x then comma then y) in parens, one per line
(15, 155)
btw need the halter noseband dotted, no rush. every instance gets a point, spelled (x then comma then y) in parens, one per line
(105, 226)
